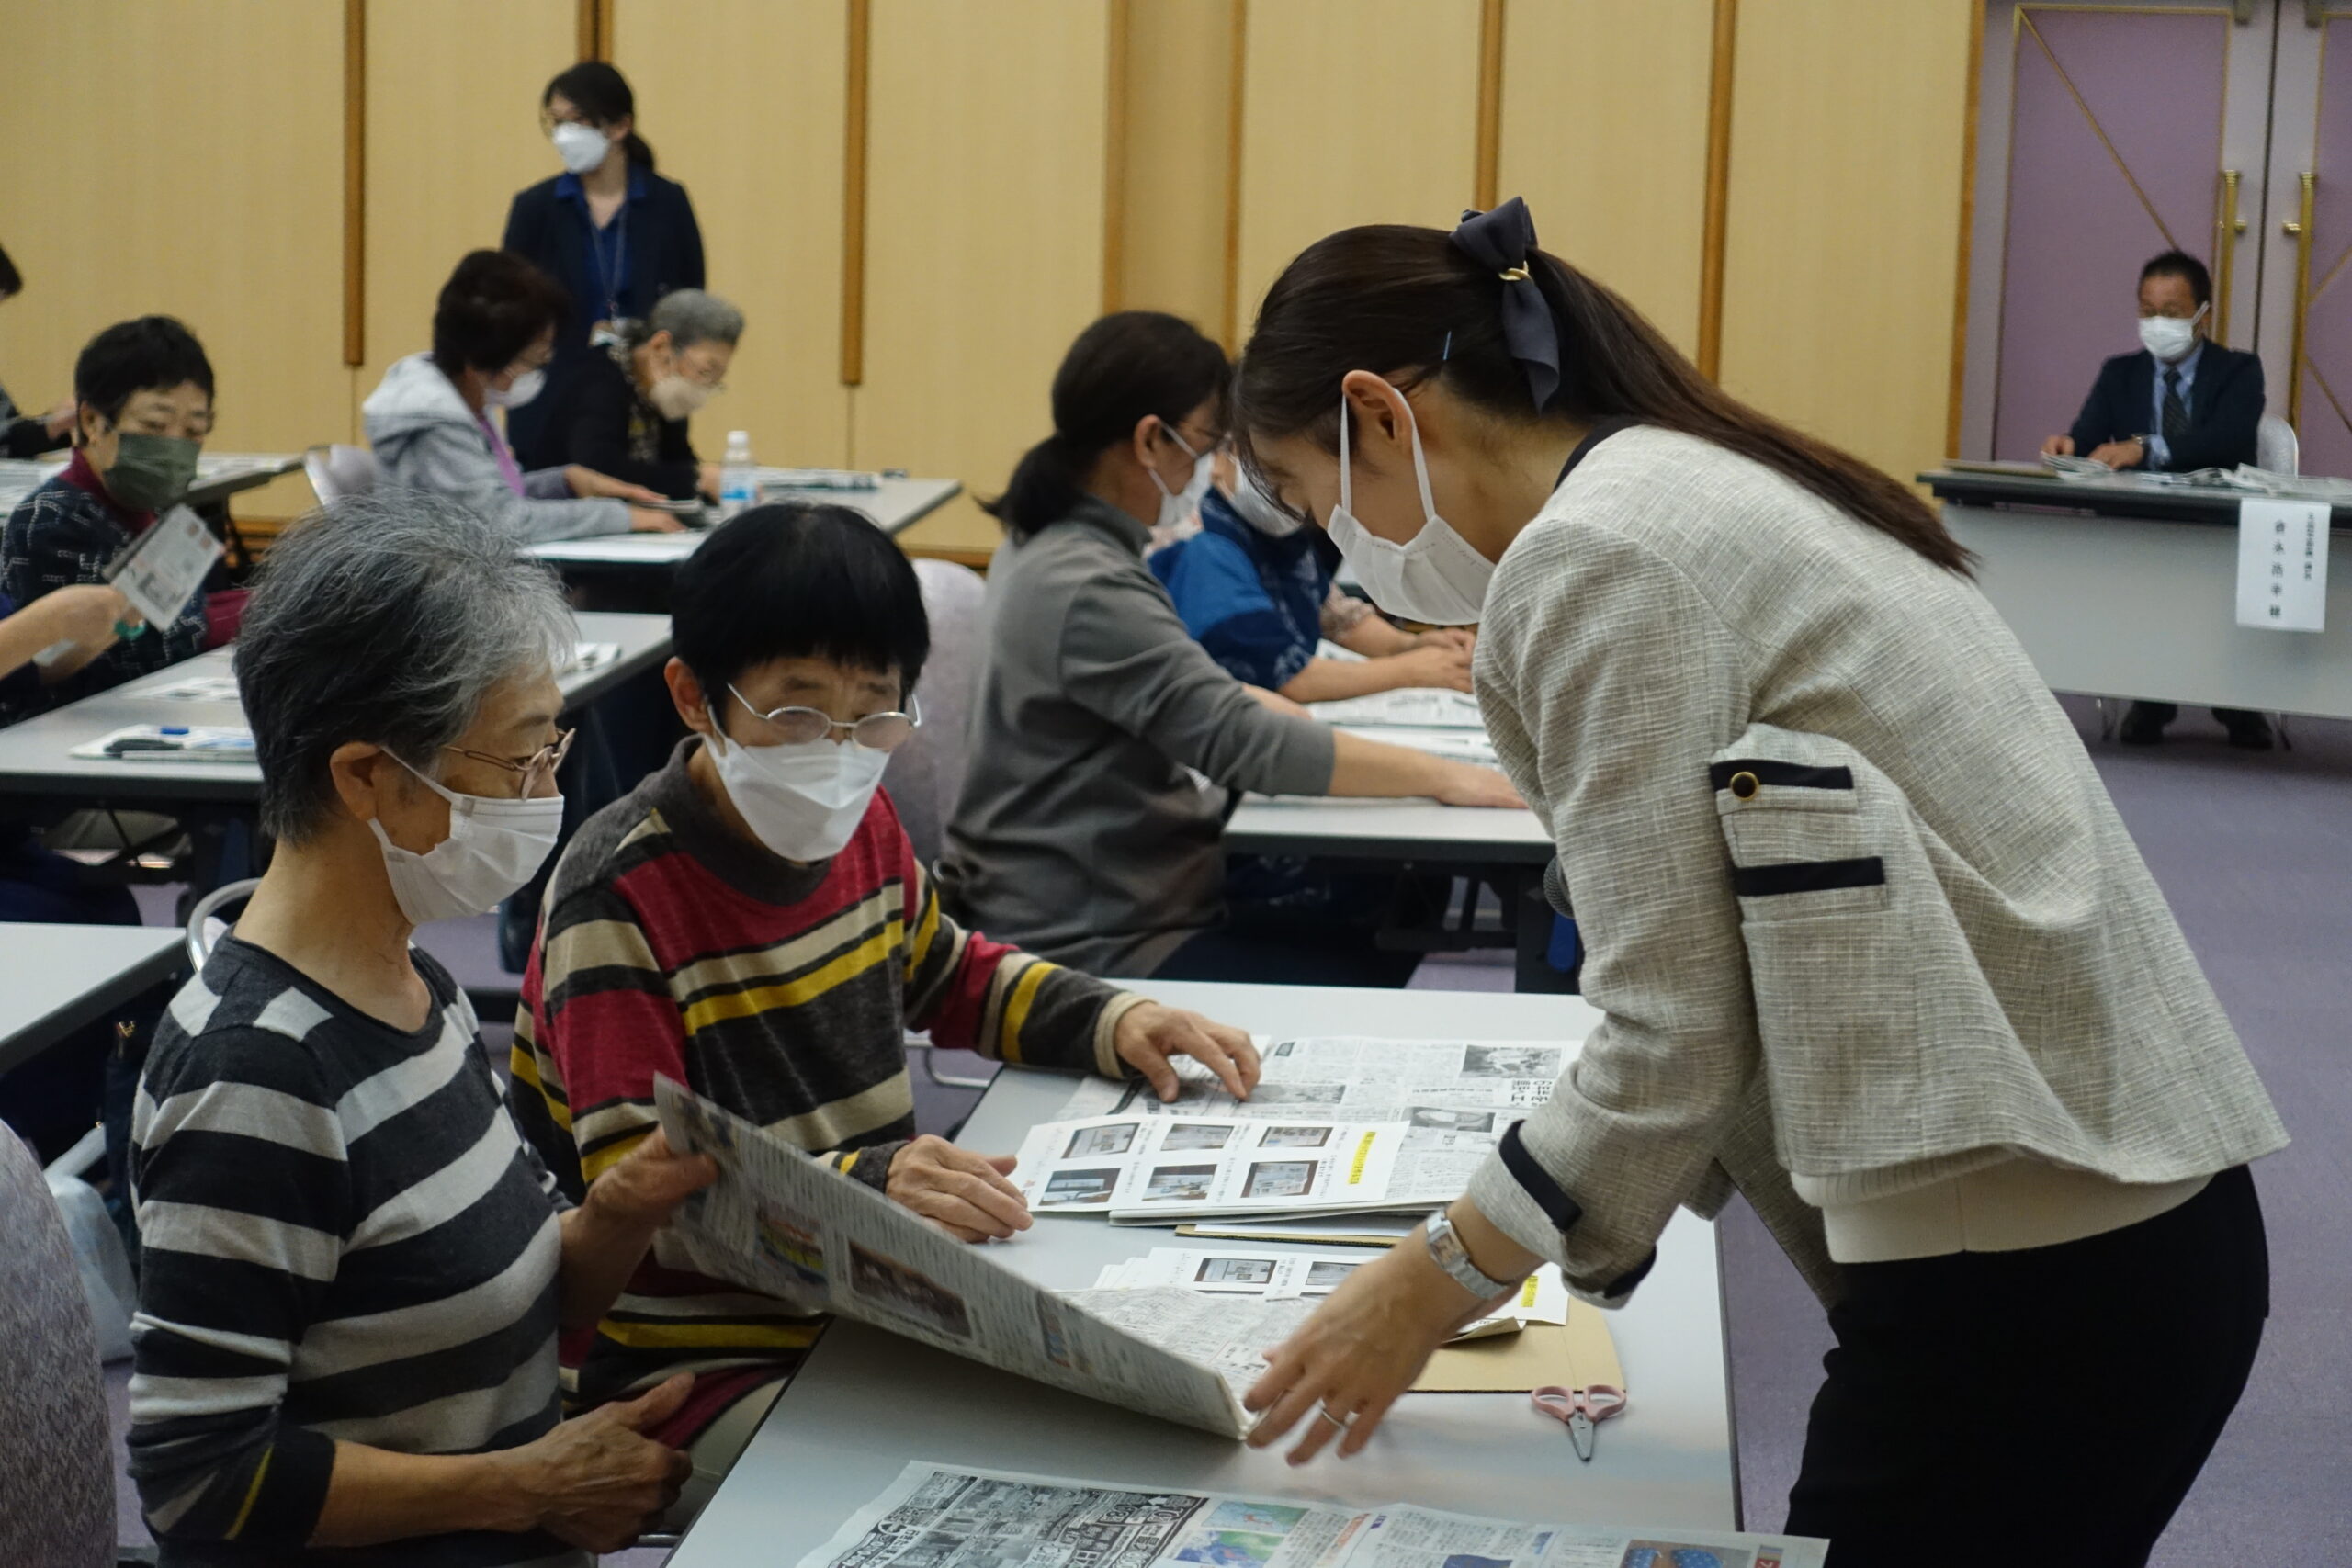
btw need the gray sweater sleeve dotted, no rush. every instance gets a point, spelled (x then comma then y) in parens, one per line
(1125, 658)
(451, 461)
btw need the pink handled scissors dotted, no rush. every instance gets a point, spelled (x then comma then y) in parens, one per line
(1581, 1408)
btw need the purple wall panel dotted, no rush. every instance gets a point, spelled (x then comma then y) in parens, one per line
(2327, 341)
(2076, 233)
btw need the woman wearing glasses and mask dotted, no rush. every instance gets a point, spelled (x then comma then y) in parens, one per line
(1870, 938)
(355, 1266)
(752, 922)
(625, 413)
(1108, 743)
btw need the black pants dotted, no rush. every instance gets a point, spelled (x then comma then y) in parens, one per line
(2050, 1405)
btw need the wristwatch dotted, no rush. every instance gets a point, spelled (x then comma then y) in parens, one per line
(1448, 1253)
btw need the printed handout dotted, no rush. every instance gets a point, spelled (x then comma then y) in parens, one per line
(1160, 1170)
(1466, 1089)
(1281, 1276)
(1411, 707)
(936, 1515)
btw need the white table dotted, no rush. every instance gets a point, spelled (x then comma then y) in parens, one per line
(868, 1402)
(219, 476)
(54, 979)
(36, 757)
(897, 506)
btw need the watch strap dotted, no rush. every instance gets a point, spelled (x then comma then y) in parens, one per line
(1448, 1253)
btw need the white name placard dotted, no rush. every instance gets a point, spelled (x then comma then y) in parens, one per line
(2283, 564)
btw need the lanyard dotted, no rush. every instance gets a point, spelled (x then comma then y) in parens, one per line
(608, 282)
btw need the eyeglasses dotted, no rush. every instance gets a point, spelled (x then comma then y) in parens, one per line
(547, 122)
(537, 770)
(876, 731)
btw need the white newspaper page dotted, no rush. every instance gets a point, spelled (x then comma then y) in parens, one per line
(1412, 707)
(1274, 1275)
(165, 566)
(1164, 1168)
(778, 1221)
(1454, 745)
(937, 1516)
(1466, 1087)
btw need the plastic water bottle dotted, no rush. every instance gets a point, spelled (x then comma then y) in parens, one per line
(738, 486)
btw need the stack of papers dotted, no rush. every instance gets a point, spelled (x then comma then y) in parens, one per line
(1454, 745)
(1410, 707)
(937, 1516)
(1287, 1276)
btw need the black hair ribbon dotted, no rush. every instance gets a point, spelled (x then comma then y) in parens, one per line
(1502, 240)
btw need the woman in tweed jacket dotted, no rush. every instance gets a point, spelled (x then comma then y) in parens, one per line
(1871, 942)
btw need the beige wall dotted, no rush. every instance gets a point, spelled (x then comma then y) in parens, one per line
(143, 177)
(991, 154)
(1843, 236)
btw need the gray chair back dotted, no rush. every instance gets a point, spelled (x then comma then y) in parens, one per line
(56, 1478)
(926, 773)
(2277, 446)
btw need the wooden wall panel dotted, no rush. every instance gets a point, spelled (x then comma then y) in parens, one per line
(984, 238)
(742, 102)
(1354, 111)
(152, 169)
(1604, 131)
(1843, 243)
(452, 132)
(1175, 165)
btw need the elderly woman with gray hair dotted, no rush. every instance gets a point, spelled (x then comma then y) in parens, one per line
(625, 411)
(355, 1268)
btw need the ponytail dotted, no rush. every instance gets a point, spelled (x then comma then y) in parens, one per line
(1413, 304)
(640, 153)
(1124, 369)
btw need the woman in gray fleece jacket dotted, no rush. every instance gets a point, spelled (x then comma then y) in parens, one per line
(1868, 937)
(494, 330)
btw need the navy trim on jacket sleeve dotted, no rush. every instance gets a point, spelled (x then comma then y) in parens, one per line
(1807, 876)
(1785, 775)
(1563, 1211)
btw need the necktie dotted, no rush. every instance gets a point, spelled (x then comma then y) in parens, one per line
(2175, 412)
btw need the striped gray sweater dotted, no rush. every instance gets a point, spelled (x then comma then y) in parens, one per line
(344, 1238)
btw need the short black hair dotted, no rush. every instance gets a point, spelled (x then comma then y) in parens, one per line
(795, 580)
(2181, 265)
(494, 307)
(11, 280)
(152, 354)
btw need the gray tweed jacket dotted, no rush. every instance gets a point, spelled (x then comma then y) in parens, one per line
(1854, 901)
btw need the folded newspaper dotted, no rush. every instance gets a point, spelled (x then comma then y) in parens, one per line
(936, 1515)
(1157, 1170)
(1418, 707)
(780, 1222)
(1434, 1087)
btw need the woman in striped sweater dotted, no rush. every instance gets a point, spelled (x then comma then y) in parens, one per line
(355, 1266)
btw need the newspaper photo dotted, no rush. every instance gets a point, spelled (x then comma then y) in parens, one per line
(936, 1515)
(1459, 1089)
(1283, 1276)
(1412, 707)
(780, 1222)
(1160, 1170)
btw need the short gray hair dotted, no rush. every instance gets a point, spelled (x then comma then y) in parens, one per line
(691, 316)
(385, 618)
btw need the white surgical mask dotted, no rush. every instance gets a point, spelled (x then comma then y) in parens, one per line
(1175, 505)
(677, 398)
(803, 801)
(1258, 509)
(1437, 576)
(527, 386)
(494, 846)
(582, 147)
(2170, 338)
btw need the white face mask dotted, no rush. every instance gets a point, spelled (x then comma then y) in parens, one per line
(527, 386)
(1175, 505)
(2170, 338)
(1258, 509)
(676, 398)
(804, 801)
(582, 147)
(1437, 576)
(494, 846)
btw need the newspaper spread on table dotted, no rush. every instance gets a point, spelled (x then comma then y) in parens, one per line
(1286, 1276)
(936, 1515)
(1434, 1086)
(1454, 745)
(1420, 707)
(1160, 1170)
(780, 1222)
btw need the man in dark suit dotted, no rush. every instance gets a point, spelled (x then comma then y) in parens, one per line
(2182, 402)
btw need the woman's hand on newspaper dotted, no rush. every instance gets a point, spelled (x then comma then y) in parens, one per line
(1364, 1347)
(964, 1193)
(1148, 1033)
